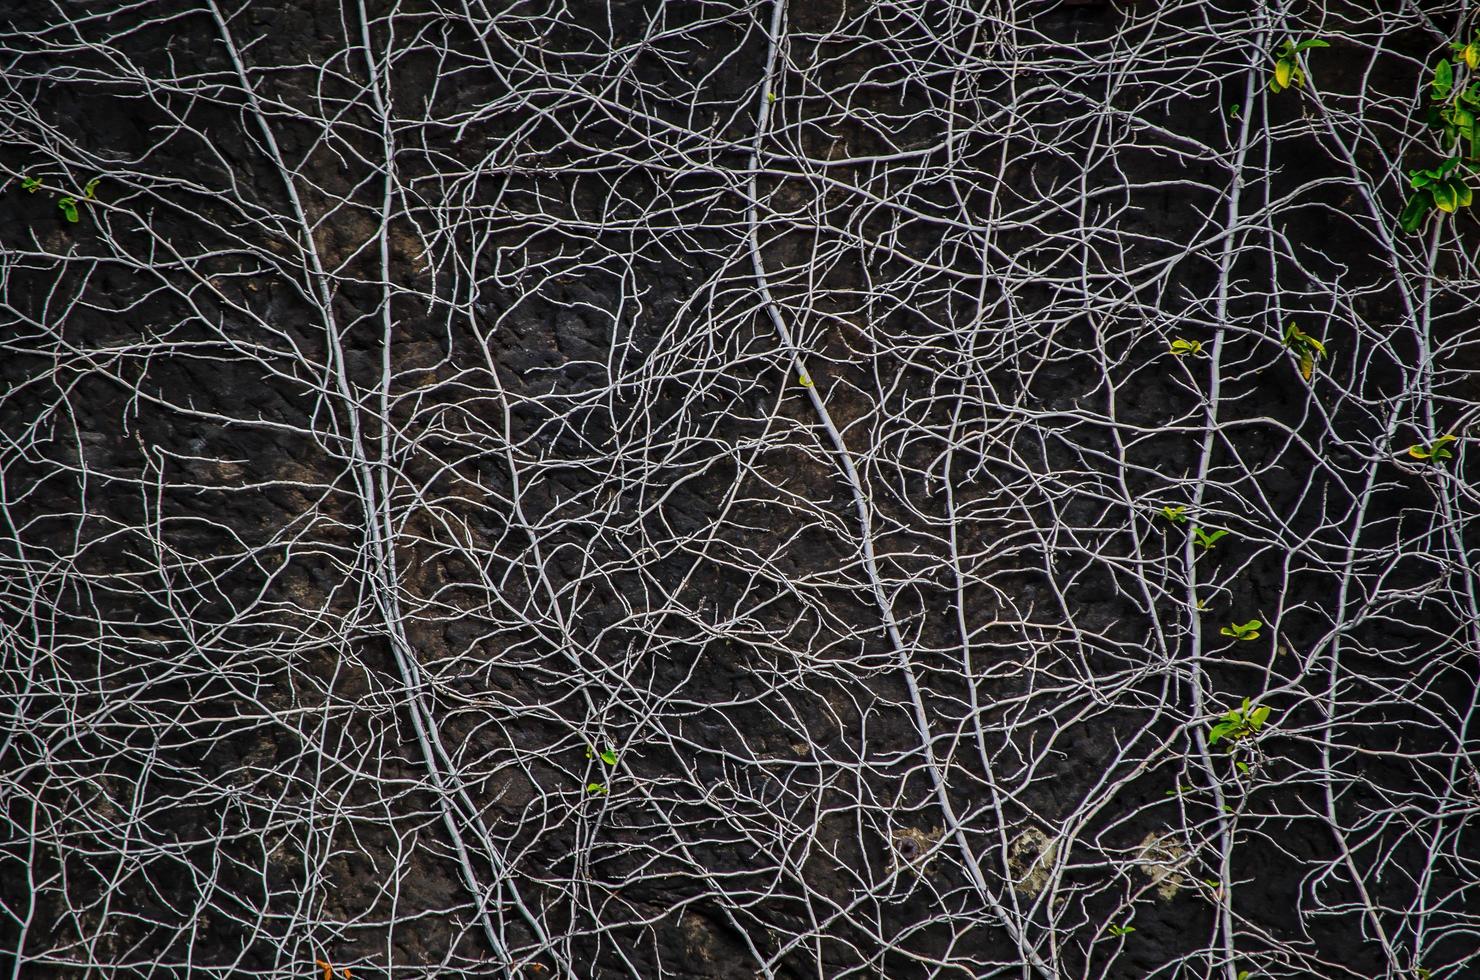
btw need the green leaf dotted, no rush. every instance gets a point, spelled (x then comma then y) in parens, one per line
(596, 788)
(1463, 194)
(69, 208)
(91, 190)
(1312, 43)
(1246, 631)
(1243, 767)
(1309, 348)
(1207, 539)
(1177, 515)
(1284, 72)
(1445, 199)
(1414, 212)
(1258, 716)
(30, 184)
(1438, 450)
(609, 756)
(1443, 79)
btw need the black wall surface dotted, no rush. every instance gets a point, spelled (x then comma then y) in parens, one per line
(708, 489)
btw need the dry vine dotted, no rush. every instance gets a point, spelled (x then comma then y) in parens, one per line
(730, 489)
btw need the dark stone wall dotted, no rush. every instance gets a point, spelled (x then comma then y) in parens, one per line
(486, 491)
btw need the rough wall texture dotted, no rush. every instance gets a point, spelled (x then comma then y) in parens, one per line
(706, 489)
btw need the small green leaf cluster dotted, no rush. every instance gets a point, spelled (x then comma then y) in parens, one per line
(1307, 348)
(1443, 187)
(1433, 451)
(68, 204)
(1287, 70)
(607, 755)
(1207, 539)
(1454, 104)
(1238, 724)
(1452, 107)
(1248, 631)
(1117, 930)
(1182, 347)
